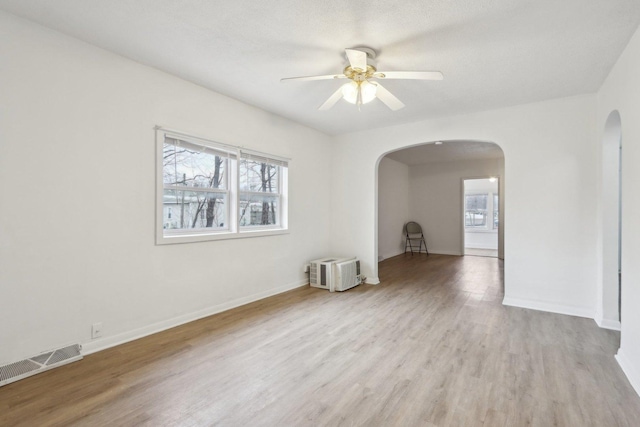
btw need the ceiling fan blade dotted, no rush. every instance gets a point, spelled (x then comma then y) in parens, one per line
(332, 100)
(357, 59)
(388, 98)
(412, 75)
(309, 78)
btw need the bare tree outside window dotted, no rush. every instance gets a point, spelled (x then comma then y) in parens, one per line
(259, 193)
(208, 190)
(475, 213)
(195, 194)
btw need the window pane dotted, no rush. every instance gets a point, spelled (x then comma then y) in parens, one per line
(475, 218)
(258, 210)
(183, 210)
(188, 167)
(475, 213)
(476, 201)
(255, 176)
(496, 209)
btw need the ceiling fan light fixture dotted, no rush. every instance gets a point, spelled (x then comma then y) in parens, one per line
(350, 92)
(360, 90)
(368, 91)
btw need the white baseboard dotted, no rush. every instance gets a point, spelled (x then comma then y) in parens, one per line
(441, 252)
(372, 281)
(389, 255)
(548, 307)
(488, 247)
(614, 325)
(435, 252)
(629, 370)
(124, 337)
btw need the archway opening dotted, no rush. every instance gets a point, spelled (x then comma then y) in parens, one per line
(611, 296)
(425, 183)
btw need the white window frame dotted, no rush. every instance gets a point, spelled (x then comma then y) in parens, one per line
(232, 229)
(204, 190)
(282, 178)
(495, 208)
(488, 227)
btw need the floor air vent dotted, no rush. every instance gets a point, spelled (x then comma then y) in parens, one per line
(40, 363)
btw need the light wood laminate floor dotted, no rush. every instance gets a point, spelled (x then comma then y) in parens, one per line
(431, 345)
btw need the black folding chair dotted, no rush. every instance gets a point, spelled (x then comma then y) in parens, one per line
(413, 233)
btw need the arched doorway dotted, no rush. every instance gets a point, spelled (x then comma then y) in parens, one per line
(438, 204)
(610, 295)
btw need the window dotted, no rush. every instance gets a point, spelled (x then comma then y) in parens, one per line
(260, 191)
(496, 209)
(206, 193)
(481, 211)
(475, 210)
(194, 187)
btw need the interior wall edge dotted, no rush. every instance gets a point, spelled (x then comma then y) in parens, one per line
(372, 281)
(610, 324)
(629, 370)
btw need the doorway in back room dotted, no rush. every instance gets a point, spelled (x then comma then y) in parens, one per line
(424, 183)
(481, 207)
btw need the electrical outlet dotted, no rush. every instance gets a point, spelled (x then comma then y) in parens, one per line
(96, 330)
(306, 268)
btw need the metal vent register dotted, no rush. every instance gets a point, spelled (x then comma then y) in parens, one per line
(40, 363)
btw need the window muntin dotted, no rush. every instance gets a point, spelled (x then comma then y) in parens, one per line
(206, 193)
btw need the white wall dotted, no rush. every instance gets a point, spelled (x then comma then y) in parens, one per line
(481, 240)
(393, 206)
(621, 92)
(436, 199)
(77, 177)
(550, 160)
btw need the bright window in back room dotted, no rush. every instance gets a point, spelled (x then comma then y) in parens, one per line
(475, 210)
(481, 214)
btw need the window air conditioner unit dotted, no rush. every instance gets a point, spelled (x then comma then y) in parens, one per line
(335, 273)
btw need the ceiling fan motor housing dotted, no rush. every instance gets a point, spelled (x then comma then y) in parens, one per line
(371, 54)
(371, 63)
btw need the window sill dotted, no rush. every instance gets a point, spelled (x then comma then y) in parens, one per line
(193, 238)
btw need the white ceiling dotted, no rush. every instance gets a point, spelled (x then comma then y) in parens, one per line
(448, 151)
(493, 53)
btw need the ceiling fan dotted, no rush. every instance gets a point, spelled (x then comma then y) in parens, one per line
(361, 89)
